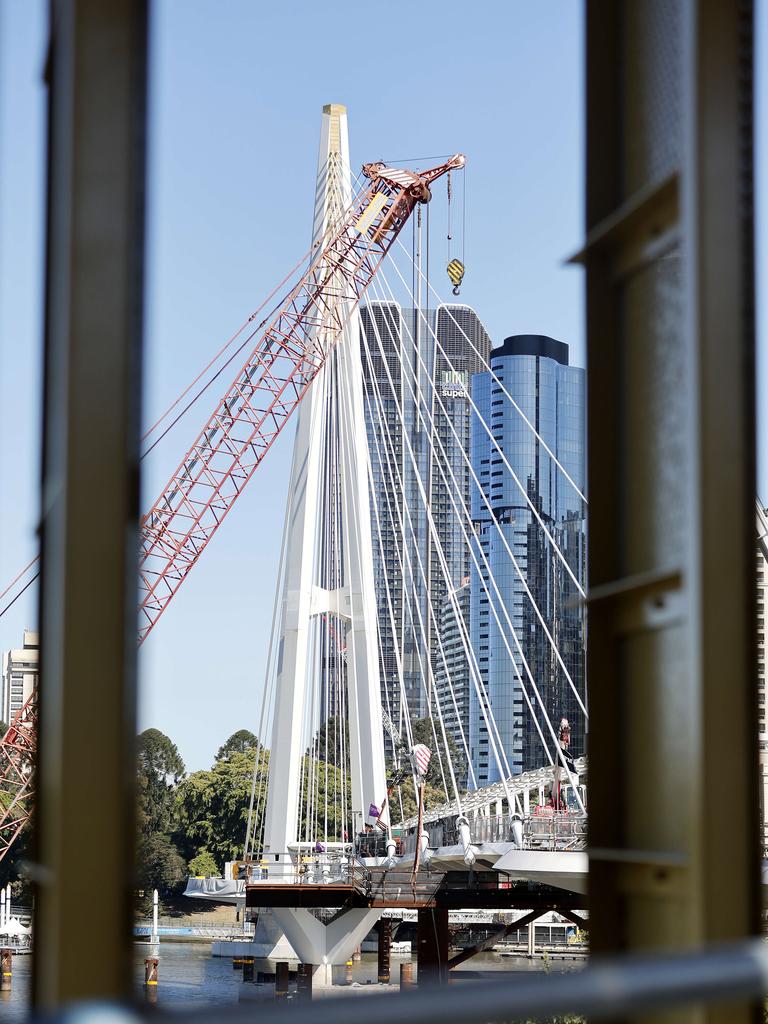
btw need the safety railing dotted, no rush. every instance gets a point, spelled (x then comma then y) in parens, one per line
(548, 831)
(310, 868)
(395, 886)
(555, 832)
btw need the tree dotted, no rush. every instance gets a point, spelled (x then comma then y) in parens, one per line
(203, 866)
(239, 742)
(324, 789)
(332, 741)
(160, 866)
(433, 797)
(212, 806)
(160, 768)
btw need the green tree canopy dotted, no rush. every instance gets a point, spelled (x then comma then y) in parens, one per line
(433, 797)
(324, 789)
(160, 768)
(203, 866)
(212, 806)
(239, 742)
(160, 866)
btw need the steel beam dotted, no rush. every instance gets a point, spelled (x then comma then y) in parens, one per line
(671, 426)
(85, 815)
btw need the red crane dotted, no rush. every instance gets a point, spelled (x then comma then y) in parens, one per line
(289, 348)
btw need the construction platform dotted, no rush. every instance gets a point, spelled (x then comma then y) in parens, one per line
(392, 889)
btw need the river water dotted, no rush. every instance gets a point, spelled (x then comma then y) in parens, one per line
(189, 976)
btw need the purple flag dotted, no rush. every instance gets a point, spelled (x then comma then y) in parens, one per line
(373, 811)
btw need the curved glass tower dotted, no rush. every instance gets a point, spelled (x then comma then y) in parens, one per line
(534, 370)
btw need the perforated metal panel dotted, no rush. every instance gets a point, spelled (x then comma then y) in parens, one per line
(651, 41)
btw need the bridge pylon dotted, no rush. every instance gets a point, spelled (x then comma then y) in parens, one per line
(327, 565)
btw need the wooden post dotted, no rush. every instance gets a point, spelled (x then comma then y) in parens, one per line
(247, 968)
(433, 942)
(348, 972)
(385, 949)
(281, 979)
(6, 969)
(406, 976)
(150, 978)
(304, 981)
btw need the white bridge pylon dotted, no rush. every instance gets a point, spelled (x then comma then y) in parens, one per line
(322, 576)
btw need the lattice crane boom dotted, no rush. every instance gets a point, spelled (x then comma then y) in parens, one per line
(288, 353)
(17, 769)
(289, 349)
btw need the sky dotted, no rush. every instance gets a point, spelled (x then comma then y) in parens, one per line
(236, 93)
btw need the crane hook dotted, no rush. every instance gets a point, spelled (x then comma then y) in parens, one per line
(456, 274)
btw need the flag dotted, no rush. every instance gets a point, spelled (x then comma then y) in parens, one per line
(421, 758)
(373, 811)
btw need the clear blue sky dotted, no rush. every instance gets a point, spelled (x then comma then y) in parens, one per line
(236, 95)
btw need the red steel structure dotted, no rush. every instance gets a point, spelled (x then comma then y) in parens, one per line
(289, 348)
(17, 770)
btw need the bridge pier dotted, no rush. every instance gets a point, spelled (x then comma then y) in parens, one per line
(324, 945)
(432, 942)
(385, 949)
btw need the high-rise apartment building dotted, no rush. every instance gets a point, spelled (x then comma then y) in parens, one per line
(20, 670)
(411, 386)
(535, 372)
(452, 678)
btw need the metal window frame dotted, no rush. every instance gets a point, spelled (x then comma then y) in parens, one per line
(674, 865)
(90, 482)
(90, 489)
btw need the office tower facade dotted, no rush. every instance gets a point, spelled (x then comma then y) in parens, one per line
(452, 678)
(506, 632)
(20, 671)
(411, 386)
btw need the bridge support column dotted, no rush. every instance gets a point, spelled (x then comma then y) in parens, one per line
(323, 945)
(432, 944)
(385, 949)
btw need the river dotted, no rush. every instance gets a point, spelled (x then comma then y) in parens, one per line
(189, 976)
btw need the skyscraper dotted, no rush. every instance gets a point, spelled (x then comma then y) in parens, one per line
(20, 669)
(410, 385)
(534, 371)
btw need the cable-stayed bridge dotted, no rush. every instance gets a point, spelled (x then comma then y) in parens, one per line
(358, 646)
(386, 513)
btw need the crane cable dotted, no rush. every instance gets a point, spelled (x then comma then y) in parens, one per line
(309, 254)
(456, 267)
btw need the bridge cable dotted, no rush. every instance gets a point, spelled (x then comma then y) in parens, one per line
(514, 634)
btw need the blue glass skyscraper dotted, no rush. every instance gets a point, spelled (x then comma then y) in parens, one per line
(534, 370)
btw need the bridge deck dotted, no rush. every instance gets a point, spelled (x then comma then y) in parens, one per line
(455, 891)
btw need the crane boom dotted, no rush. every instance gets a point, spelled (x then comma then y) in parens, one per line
(288, 353)
(17, 768)
(289, 349)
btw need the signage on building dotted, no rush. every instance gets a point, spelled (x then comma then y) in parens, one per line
(453, 384)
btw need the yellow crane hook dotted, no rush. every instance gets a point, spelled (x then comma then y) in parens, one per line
(456, 274)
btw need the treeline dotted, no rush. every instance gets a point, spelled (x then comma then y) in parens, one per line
(192, 824)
